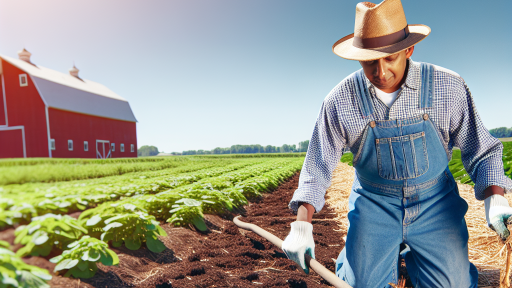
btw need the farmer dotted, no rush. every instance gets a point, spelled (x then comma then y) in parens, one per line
(400, 119)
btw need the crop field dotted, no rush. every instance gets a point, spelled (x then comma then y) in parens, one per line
(73, 211)
(73, 218)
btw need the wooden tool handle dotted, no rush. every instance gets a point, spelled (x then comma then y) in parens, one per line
(312, 263)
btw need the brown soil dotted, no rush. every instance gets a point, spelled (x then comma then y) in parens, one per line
(224, 256)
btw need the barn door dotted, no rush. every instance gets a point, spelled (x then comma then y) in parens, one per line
(12, 142)
(103, 149)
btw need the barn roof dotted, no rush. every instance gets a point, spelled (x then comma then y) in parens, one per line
(63, 91)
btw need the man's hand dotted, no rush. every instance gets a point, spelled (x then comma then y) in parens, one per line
(498, 214)
(298, 242)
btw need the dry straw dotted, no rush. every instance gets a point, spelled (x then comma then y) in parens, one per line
(487, 251)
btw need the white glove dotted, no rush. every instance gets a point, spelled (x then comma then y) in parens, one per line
(298, 242)
(497, 214)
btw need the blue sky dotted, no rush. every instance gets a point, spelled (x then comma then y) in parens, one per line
(201, 74)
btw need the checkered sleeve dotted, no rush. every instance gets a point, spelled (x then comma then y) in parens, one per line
(481, 153)
(323, 155)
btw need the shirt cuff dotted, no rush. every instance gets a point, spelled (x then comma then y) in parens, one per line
(313, 197)
(501, 181)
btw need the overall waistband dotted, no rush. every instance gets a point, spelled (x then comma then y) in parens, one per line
(404, 190)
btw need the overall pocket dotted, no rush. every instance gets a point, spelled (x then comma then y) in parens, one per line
(403, 157)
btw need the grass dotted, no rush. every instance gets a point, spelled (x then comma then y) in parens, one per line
(347, 158)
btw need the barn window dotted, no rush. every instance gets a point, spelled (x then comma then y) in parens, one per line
(113, 147)
(23, 80)
(132, 148)
(70, 145)
(52, 144)
(86, 146)
(121, 147)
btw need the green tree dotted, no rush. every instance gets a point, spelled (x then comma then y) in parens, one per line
(501, 132)
(303, 146)
(147, 150)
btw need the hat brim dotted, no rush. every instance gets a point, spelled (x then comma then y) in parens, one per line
(345, 49)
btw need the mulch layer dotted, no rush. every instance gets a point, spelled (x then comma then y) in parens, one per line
(224, 256)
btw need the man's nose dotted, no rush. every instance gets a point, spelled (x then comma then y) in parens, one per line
(381, 69)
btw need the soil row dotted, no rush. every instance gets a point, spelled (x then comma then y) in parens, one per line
(224, 256)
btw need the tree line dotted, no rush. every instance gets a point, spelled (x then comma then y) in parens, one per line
(501, 132)
(247, 149)
(146, 150)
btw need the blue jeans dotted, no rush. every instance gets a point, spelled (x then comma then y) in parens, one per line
(432, 225)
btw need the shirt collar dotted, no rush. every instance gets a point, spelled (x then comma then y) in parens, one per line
(413, 76)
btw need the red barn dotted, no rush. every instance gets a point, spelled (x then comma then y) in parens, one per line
(45, 113)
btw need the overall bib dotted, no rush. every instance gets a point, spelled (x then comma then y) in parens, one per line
(403, 192)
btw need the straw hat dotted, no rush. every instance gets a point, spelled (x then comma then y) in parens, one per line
(380, 30)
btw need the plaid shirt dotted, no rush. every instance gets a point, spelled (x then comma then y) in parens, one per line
(340, 125)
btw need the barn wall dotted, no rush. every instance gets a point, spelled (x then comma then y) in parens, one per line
(66, 125)
(26, 108)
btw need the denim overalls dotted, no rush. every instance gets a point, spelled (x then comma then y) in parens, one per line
(403, 192)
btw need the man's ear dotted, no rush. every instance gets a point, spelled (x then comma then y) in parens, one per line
(409, 51)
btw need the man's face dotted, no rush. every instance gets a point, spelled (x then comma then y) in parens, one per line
(388, 73)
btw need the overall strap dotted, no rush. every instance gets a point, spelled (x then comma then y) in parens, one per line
(427, 85)
(363, 95)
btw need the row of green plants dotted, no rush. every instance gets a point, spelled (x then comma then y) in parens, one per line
(53, 170)
(188, 166)
(56, 170)
(82, 244)
(133, 221)
(19, 208)
(187, 204)
(16, 273)
(80, 161)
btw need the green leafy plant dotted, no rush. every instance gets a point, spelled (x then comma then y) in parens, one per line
(46, 232)
(125, 223)
(22, 213)
(236, 196)
(81, 259)
(5, 218)
(4, 244)
(16, 273)
(188, 211)
(213, 201)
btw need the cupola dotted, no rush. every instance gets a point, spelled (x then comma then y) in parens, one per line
(24, 55)
(74, 71)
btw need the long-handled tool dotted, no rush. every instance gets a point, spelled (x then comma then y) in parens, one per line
(312, 263)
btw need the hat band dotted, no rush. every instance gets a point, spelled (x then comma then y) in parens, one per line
(381, 41)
